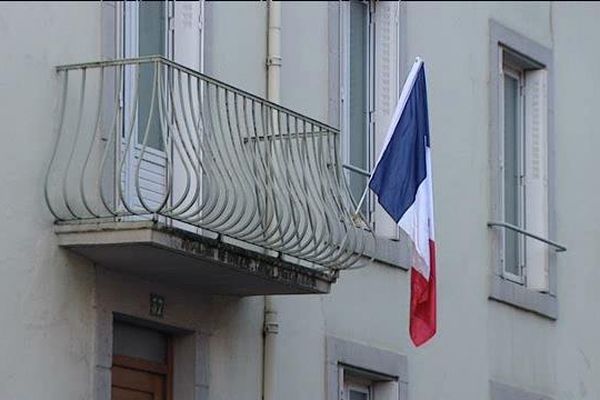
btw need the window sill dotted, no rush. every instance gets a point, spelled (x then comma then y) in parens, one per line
(507, 292)
(501, 391)
(395, 253)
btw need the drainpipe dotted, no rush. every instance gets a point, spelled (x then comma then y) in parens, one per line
(270, 331)
(271, 324)
(273, 51)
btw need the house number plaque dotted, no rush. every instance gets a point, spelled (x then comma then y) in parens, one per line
(157, 305)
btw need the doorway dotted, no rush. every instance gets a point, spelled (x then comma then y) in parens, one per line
(145, 131)
(142, 366)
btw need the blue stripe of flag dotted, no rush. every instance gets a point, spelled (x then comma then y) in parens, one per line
(402, 166)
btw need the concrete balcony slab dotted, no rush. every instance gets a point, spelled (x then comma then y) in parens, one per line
(154, 251)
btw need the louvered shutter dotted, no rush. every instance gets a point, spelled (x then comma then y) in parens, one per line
(186, 25)
(536, 178)
(386, 90)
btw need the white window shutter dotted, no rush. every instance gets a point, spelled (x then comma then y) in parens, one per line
(386, 56)
(187, 24)
(536, 178)
(386, 90)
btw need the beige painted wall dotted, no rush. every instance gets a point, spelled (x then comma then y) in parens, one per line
(49, 298)
(45, 293)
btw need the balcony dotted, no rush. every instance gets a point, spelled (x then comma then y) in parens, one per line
(165, 173)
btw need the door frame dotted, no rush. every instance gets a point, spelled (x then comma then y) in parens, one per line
(155, 160)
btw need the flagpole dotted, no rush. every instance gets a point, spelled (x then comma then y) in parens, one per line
(362, 199)
(364, 173)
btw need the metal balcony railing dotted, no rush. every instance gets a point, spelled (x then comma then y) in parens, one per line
(149, 138)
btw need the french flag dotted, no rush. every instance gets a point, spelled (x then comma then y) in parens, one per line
(402, 181)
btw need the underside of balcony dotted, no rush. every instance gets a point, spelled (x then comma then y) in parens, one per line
(175, 256)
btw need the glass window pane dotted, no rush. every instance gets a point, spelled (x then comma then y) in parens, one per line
(358, 104)
(151, 37)
(135, 341)
(511, 172)
(355, 395)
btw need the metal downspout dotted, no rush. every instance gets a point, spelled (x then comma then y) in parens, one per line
(271, 324)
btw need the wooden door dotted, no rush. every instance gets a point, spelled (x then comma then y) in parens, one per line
(137, 379)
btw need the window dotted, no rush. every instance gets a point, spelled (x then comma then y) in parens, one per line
(357, 95)
(356, 388)
(145, 34)
(524, 168)
(359, 372)
(359, 384)
(358, 393)
(167, 29)
(513, 169)
(521, 142)
(145, 135)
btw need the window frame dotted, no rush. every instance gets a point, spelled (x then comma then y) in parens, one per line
(344, 93)
(518, 74)
(503, 290)
(129, 48)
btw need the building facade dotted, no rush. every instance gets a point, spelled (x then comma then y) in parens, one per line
(179, 180)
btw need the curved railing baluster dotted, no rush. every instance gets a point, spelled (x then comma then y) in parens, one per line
(112, 137)
(65, 183)
(191, 152)
(51, 167)
(252, 220)
(126, 159)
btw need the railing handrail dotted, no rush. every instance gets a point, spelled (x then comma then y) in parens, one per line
(164, 60)
(359, 171)
(558, 247)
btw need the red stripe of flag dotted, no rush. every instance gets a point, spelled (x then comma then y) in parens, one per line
(423, 302)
